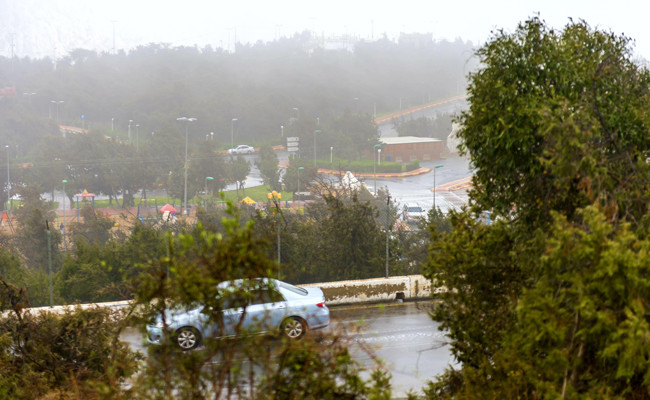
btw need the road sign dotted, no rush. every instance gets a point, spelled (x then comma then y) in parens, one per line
(293, 149)
(293, 139)
(292, 144)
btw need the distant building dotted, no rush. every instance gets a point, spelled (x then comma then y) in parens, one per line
(405, 149)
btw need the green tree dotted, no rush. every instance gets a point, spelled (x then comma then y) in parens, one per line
(268, 166)
(35, 218)
(545, 301)
(557, 119)
(239, 169)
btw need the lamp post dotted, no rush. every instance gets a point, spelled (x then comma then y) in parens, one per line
(8, 181)
(299, 169)
(374, 165)
(315, 132)
(232, 133)
(434, 184)
(207, 178)
(65, 246)
(129, 131)
(331, 150)
(137, 138)
(281, 130)
(297, 110)
(188, 120)
(387, 228)
(211, 135)
(378, 156)
(112, 124)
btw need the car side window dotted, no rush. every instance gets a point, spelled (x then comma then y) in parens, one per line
(265, 295)
(234, 300)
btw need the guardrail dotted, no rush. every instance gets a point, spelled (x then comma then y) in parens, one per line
(397, 288)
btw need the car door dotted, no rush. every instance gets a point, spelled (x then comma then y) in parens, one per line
(265, 311)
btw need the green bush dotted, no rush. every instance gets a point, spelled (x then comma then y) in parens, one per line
(75, 355)
(413, 165)
(362, 166)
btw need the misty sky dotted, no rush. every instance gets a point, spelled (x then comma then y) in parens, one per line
(219, 23)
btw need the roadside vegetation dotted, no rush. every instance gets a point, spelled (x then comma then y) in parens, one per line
(551, 300)
(78, 354)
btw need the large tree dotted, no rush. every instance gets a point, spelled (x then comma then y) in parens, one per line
(548, 302)
(268, 166)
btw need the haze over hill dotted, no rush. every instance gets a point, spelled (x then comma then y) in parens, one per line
(36, 28)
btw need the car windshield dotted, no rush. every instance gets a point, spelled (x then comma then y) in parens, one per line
(415, 209)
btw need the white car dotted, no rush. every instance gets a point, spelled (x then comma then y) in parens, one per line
(242, 149)
(413, 214)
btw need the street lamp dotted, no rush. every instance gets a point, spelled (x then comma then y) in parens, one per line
(207, 178)
(331, 150)
(137, 138)
(65, 246)
(315, 132)
(378, 156)
(297, 110)
(434, 184)
(57, 102)
(112, 124)
(8, 181)
(281, 130)
(129, 132)
(299, 169)
(211, 135)
(188, 120)
(232, 133)
(374, 164)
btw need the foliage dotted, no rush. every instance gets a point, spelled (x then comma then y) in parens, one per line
(35, 225)
(95, 228)
(437, 128)
(75, 355)
(556, 121)
(239, 169)
(247, 368)
(549, 300)
(335, 240)
(268, 166)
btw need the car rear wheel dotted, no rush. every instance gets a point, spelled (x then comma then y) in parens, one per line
(188, 338)
(294, 328)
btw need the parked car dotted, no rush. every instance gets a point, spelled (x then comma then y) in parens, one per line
(413, 214)
(242, 149)
(258, 306)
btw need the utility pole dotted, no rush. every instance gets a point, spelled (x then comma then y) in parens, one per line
(49, 259)
(387, 228)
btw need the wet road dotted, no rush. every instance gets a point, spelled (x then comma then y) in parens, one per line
(401, 334)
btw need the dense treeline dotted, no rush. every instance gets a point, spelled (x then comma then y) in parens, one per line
(340, 237)
(258, 95)
(79, 354)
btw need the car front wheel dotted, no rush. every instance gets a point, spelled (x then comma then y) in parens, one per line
(294, 328)
(188, 338)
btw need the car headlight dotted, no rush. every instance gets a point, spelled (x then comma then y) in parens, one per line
(160, 325)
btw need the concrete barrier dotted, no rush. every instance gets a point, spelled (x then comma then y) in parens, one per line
(396, 288)
(376, 290)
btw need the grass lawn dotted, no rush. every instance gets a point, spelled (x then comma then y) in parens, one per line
(257, 193)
